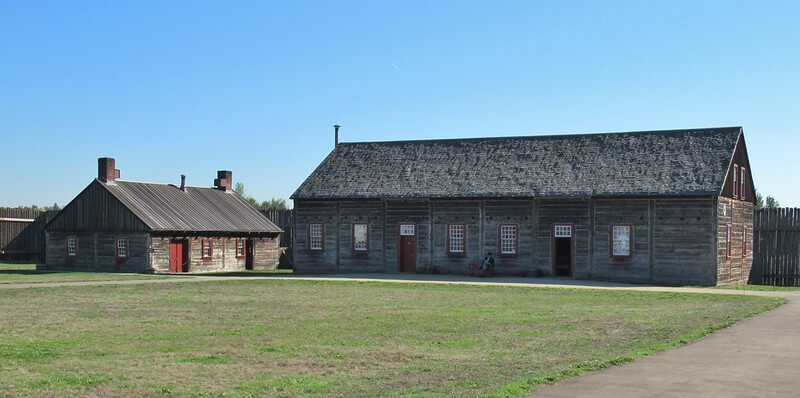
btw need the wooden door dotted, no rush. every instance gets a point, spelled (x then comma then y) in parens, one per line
(178, 255)
(408, 248)
(249, 250)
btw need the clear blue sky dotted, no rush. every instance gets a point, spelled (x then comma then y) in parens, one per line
(171, 87)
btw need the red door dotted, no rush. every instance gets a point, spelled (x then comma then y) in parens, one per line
(249, 251)
(177, 256)
(408, 248)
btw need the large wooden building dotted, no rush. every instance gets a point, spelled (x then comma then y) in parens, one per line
(668, 207)
(126, 226)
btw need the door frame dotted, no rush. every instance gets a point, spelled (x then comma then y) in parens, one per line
(184, 245)
(571, 248)
(400, 245)
(249, 253)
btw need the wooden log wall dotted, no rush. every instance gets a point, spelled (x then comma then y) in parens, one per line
(776, 247)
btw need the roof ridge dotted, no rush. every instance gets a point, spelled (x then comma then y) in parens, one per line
(547, 136)
(156, 183)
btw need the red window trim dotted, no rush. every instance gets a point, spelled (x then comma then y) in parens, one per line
(729, 240)
(321, 237)
(244, 248)
(116, 248)
(462, 253)
(735, 181)
(743, 184)
(500, 240)
(66, 246)
(744, 241)
(353, 238)
(611, 241)
(210, 248)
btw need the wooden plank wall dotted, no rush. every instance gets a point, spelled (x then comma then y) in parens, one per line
(776, 241)
(23, 241)
(284, 219)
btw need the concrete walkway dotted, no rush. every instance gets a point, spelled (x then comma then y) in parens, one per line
(757, 357)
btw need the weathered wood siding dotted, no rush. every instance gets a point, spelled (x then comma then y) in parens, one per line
(574, 212)
(97, 252)
(95, 210)
(361, 212)
(673, 240)
(684, 250)
(734, 270)
(414, 212)
(310, 212)
(635, 213)
(513, 212)
(446, 212)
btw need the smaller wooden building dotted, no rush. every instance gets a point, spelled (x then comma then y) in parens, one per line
(125, 226)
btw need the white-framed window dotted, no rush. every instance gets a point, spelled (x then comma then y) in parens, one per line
(406, 229)
(315, 236)
(360, 237)
(729, 240)
(562, 231)
(122, 247)
(455, 238)
(743, 184)
(72, 246)
(735, 181)
(207, 248)
(240, 248)
(508, 239)
(621, 240)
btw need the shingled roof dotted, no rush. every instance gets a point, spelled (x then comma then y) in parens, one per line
(689, 162)
(164, 207)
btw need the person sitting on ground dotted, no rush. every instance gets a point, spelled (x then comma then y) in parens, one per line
(487, 264)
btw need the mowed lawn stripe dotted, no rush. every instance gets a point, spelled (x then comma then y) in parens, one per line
(334, 338)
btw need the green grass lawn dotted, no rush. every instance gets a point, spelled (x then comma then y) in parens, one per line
(26, 273)
(324, 338)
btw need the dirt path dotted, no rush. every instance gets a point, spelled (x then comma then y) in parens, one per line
(412, 278)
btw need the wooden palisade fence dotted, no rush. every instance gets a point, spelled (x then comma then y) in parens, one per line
(22, 233)
(284, 219)
(776, 247)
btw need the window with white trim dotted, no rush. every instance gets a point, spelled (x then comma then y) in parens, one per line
(735, 181)
(743, 184)
(562, 231)
(360, 237)
(620, 240)
(315, 236)
(728, 241)
(207, 248)
(72, 246)
(122, 248)
(239, 248)
(406, 229)
(508, 239)
(455, 238)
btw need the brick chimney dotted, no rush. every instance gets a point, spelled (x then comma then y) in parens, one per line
(106, 171)
(224, 180)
